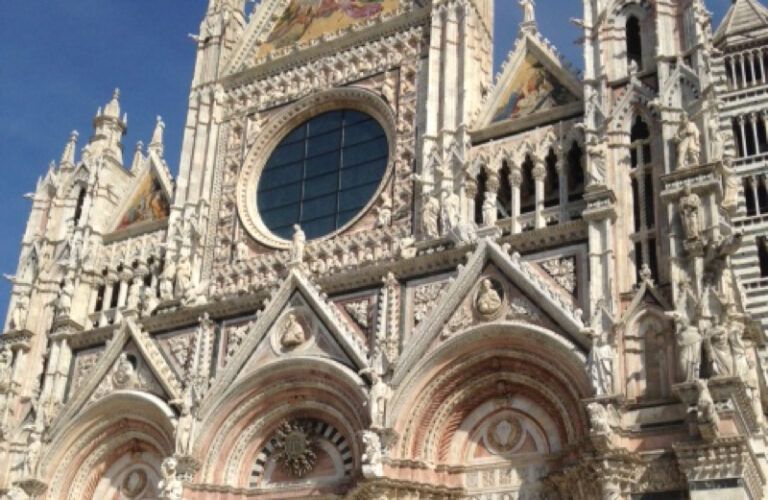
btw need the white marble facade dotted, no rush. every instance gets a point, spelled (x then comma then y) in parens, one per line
(556, 287)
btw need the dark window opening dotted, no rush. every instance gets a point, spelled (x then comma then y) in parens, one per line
(551, 181)
(505, 192)
(482, 185)
(762, 196)
(640, 130)
(636, 205)
(749, 137)
(79, 206)
(575, 173)
(749, 198)
(650, 210)
(737, 135)
(527, 188)
(115, 295)
(762, 255)
(634, 42)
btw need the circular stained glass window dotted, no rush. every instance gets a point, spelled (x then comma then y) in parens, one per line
(322, 174)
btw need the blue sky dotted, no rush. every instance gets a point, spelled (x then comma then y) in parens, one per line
(60, 61)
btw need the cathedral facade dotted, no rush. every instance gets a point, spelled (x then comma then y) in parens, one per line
(541, 284)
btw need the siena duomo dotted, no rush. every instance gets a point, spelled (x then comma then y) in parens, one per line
(384, 272)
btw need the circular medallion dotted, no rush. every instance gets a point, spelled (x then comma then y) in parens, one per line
(134, 483)
(503, 434)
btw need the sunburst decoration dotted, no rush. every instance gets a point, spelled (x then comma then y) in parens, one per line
(294, 448)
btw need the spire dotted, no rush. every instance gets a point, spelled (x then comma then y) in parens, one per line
(138, 157)
(68, 157)
(157, 137)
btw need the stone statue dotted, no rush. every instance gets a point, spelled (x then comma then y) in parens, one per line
(601, 363)
(529, 14)
(298, 243)
(598, 418)
(384, 211)
(293, 332)
(429, 216)
(450, 211)
(707, 413)
(690, 206)
(490, 211)
(34, 448)
(716, 139)
(64, 302)
(720, 349)
(20, 313)
(183, 276)
(688, 143)
(133, 301)
(488, 299)
(731, 186)
(738, 349)
(149, 301)
(166, 280)
(596, 166)
(688, 347)
(186, 426)
(378, 398)
(170, 486)
(125, 373)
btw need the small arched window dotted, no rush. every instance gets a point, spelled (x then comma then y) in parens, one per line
(643, 197)
(634, 42)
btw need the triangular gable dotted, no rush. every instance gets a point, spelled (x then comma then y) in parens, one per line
(128, 333)
(319, 343)
(533, 82)
(278, 24)
(149, 197)
(645, 296)
(519, 274)
(295, 283)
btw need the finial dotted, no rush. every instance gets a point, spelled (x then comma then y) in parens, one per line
(138, 156)
(68, 157)
(112, 109)
(529, 15)
(157, 137)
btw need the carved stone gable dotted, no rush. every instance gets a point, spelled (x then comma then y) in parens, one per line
(129, 372)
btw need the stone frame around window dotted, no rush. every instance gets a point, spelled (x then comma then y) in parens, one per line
(277, 127)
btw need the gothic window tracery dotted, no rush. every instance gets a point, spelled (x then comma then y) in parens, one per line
(643, 197)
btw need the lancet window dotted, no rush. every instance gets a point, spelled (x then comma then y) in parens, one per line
(643, 197)
(634, 42)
